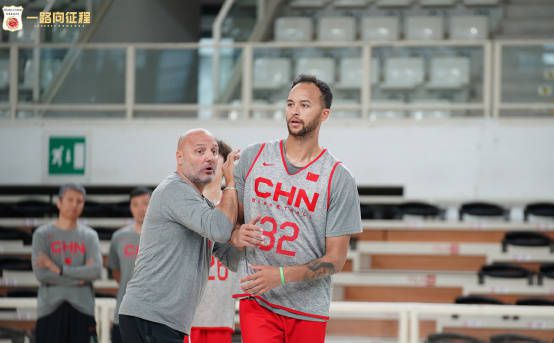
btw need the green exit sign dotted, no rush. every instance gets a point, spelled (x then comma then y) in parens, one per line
(66, 155)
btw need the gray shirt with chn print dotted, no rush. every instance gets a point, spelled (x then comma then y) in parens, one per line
(300, 208)
(123, 252)
(69, 249)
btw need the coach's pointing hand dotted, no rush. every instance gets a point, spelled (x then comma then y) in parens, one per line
(247, 235)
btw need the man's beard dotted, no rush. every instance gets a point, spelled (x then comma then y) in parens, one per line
(305, 130)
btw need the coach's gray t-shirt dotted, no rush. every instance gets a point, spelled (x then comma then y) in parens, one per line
(123, 252)
(70, 250)
(171, 269)
(300, 208)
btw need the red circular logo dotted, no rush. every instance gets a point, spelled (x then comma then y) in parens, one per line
(13, 23)
(68, 261)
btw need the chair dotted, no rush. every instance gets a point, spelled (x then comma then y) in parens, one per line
(535, 302)
(505, 271)
(379, 28)
(546, 270)
(394, 3)
(481, 2)
(386, 113)
(349, 3)
(420, 210)
(477, 300)
(349, 73)
(293, 29)
(424, 28)
(335, 29)
(526, 239)
(437, 3)
(321, 67)
(271, 73)
(428, 114)
(539, 211)
(514, 338)
(447, 337)
(308, 3)
(469, 27)
(482, 210)
(403, 73)
(449, 73)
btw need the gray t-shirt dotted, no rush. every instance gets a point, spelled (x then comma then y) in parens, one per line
(69, 249)
(123, 252)
(171, 269)
(300, 208)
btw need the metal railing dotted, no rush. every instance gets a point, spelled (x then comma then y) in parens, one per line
(408, 315)
(491, 82)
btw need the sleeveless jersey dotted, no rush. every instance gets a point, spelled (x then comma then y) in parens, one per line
(293, 209)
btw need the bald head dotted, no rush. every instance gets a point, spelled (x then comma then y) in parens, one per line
(190, 135)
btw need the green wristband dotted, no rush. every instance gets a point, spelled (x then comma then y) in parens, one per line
(282, 272)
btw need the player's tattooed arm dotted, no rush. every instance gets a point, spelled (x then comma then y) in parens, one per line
(318, 269)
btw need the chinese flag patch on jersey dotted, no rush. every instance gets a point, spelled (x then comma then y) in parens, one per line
(312, 177)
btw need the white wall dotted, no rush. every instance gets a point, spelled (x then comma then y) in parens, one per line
(485, 159)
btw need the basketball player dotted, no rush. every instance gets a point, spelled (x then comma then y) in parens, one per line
(307, 205)
(171, 269)
(66, 260)
(124, 248)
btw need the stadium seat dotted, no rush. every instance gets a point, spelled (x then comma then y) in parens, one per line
(94, 209)
(350, 3)
(120, 209)
(349, 73)
(321, 67)
(546, 270)
(386, 113)
(14, 234)
(424, 28)
(482, 210)
(336, 29)
(379, 28)
(505, 271)
(293, 29)
(271, 73)
(308, 3)
(420, 210)
(535, 302)
(448, 337)
(437, 2)
(477, 300)
(526, 239)
(345, 113)
(14, 263)
(430, 114)
(469, 27)
(33, 209)
(449, 73)
(539, 211)
(481, 2)
(514, 338)
(403, 73)
(394, 3)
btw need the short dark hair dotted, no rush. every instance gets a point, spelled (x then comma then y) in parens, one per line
(326, 94)
(71, 186)
(224, 149)
(138, 191)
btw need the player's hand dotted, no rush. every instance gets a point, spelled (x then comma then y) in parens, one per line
(228, 167)
(43, 261)
(264, 279)
(247, 235)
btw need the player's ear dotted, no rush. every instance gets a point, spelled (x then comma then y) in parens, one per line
(325, 114)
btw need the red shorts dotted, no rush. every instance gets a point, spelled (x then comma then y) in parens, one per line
(259, 324)
(209, 335)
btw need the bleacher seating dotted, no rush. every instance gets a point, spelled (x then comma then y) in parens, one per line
(469, 27)
(424, 28)
(293, 29)
(271, 73)
(321, 67)
(336, 29)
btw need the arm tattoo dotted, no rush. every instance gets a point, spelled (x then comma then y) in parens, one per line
(318, 269)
